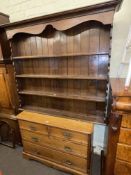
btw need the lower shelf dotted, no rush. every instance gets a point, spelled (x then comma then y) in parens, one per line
(64, 95)
(53, 164)
(86, 117)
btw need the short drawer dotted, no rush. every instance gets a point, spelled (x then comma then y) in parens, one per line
(39, 128)
(65, 159)
(125, 136)
(56, 143)
(70, 135)
(123, 152)
(122, 168)
(126, 121)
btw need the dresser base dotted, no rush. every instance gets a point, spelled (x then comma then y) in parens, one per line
(53, 164)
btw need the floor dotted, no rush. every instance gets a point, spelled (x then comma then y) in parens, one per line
(12, 163)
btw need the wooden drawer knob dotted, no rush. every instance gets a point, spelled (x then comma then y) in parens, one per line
(68, 162)
(67, 149)
(32, 128)
(67, 135)
(34, 139)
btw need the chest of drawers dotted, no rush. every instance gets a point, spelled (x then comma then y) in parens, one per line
(118, 160)
(56, 141)
(123, 154)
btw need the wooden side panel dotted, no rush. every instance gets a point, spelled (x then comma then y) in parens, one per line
(4, 95)
(12, 87)
(8, 93)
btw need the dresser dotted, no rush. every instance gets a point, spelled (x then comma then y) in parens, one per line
(119, 136)
(61, 64)
(123, 154)
(56, 141)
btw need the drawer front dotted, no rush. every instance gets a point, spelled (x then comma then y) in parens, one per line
(126, 121)
(122, 168)
(34, 127)
(70, 135)
(56, 143)
(123, 152)
(125, 136)
(65, 159)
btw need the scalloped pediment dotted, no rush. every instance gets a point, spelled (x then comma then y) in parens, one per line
(65, 24)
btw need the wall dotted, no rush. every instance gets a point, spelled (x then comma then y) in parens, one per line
(122, 22)
(23, 9)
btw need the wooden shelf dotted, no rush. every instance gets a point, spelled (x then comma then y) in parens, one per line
(86, 117)
(63, 95)
(58, 56)
(99, 77)
(64, 71)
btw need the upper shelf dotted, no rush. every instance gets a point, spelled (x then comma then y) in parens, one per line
(58, 56)
(78, 77)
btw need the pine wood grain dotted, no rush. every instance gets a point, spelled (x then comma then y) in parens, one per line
(78, 126)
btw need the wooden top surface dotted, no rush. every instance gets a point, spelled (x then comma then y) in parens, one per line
(117, 86)
(57, 121)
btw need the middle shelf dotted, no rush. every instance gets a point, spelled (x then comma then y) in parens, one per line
(63, 95)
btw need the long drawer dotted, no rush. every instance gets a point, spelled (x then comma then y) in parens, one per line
(65, 159)
(126, 121)
(57, 132)
(125, 136)
(122, 168)
(56, 143)
(123, 152)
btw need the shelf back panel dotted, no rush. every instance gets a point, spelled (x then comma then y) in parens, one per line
(80, 51)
